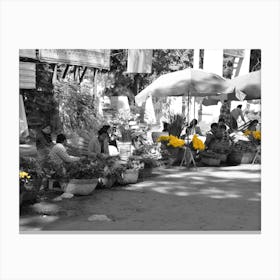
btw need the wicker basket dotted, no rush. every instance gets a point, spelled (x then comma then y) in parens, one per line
(247, 158)
(145, 172)
(211, 161)
(130, 176)
(222, 157)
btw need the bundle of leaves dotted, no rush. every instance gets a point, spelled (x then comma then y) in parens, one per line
(112, 167)
(176, 126)
(149, 162)
(85, 169)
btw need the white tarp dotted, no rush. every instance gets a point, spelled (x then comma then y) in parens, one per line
(139, 61)
(23, 126)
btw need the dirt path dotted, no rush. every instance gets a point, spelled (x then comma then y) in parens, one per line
(221, 198)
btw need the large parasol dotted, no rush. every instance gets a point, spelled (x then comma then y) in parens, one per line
(246, 87)
(186, 82)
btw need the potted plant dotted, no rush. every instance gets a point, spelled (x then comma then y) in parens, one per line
(121, 121)
(112, 171)
(30, 177)
(130, 172)
(83, 177)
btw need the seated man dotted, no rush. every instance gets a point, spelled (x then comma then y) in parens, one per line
(59, 156)
(222, 142)
(211, 136)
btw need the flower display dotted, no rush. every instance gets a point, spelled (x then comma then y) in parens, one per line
(255, 134)
(247, 132)
(24, 175)
(197, 143)
(172, 140)
(175, 142)
(163, 138)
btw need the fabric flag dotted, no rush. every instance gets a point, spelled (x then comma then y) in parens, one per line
(149, 115)
(23, 126)
(139, 61)
(240, 95)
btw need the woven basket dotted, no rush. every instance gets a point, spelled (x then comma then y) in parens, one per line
(211, 161)
(247, 158)
(235, 158)
(130, 176)
(145, 172)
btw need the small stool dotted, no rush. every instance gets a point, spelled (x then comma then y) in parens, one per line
(184, 159)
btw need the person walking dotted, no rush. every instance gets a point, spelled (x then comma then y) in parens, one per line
(235, 114)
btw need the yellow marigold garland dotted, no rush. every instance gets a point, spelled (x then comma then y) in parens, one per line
(172, 141)
(197, 143)
(255, 134)
(175, 142)
(163, 138)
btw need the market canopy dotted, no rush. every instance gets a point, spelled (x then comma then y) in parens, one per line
(187, 82)
(246, 87)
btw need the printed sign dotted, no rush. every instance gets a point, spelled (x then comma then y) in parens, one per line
(97, 58)
(27, 75)
(29, 53)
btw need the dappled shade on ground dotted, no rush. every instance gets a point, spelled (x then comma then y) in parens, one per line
(212, 198)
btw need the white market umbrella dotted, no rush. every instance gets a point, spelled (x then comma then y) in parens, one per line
(187, 82)
(246, 87)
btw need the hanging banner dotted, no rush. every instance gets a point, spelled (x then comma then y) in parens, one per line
(27, 75)
(235, 52)
(139, 61)
(97, 58)
(29, 53)
(23, 126)
(149, 115)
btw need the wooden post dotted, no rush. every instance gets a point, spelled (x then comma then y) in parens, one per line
(65, 71)
(83, 73)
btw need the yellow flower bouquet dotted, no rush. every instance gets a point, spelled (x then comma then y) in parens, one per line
(172, 141)
(197, 143)
(254, 135)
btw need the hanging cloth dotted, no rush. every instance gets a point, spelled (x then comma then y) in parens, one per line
(23, 126)
(149, 115)
(139, 61)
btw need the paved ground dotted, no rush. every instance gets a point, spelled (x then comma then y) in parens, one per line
(212, 198)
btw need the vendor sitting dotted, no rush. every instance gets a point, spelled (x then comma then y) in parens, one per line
(211, 136)
(58, 153)
(191, 129)
(102, 145)
(59, 157)
(222, 142)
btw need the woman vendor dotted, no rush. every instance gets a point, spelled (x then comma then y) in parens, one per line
(193, 128)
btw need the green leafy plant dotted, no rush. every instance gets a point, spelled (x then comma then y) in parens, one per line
(85, 169)
(176, 126)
